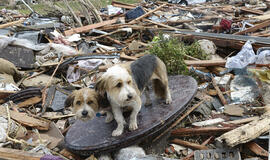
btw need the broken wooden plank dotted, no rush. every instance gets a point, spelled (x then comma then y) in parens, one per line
(220, 94)
(107, 34)
(89, 27)
(262, 17)
(29, 101)
(206, 18)
(208, 122)
(258, 150)
(203, 144)
(242, 121)
(123, 5)
(69, 155)
(11, 23)
(254, 28)
(8, 153)
(126, 57)
(205, 63)
(189, 144)
(160, 24)
(188, 132)
(26, 120)
(253, 11)
(148, 13)
(248, 131)
(223, 40)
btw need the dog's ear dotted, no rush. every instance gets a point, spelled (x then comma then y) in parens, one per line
(70, 99)
(100, 86)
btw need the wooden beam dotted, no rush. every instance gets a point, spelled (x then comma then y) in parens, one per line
(248, 131)
(254, 28)
(116, 4)
(253, 11)
(220, 94)
(242, 121)
(160, 24)
(203, 144)
(258, 150)
(26, 120)
(29, 101)
(124, 4)
(188, 132)
(11, 23)
(148, 13)
(189, 144)
(206, 18)
(221, 42)
(7, 153)
(262, 17)
(126, 57)
(205, 63)
(89, 27)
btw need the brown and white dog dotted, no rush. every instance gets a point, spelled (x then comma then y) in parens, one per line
(123, 85)
(86, 103)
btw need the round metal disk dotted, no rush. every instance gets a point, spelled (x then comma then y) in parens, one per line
(85, 138)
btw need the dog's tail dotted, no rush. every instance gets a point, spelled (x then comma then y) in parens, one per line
(159, 88)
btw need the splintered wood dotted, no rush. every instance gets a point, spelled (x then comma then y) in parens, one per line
(247, 132)
(30, 101)
(89, 27)
(189, 144)
(26, 120)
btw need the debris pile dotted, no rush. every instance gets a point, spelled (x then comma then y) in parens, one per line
(223, 45)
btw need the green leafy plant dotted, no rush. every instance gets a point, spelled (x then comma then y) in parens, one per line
(170, 51)
(195, 50)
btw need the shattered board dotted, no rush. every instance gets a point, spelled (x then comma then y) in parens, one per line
(85, 138)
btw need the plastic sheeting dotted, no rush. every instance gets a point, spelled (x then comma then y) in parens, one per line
(73, 74)
(21, 42)
(263, 55)
(245, 57)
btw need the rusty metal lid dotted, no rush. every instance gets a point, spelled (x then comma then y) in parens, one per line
(85, 138)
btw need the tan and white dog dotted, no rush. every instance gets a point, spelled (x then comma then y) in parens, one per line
(123, 85)
(86, 103)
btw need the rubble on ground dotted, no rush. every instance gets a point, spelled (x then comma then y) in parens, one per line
(224, 45)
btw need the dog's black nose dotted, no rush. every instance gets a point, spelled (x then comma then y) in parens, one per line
(84, 113)
(129, 96)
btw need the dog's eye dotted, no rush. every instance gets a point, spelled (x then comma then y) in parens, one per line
(78, 102)
(119, 85)
(89, 102)
(129, 82)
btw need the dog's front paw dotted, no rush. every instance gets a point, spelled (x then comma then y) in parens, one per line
(133, 126)
(168, 101)
(117, 132)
